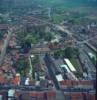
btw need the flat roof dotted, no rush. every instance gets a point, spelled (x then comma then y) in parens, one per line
(66, 67)
(91, 54)
(71, 67)
(59, 77)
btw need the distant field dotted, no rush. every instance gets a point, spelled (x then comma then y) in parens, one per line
(66, 3)
(57, 4)
(70, 5)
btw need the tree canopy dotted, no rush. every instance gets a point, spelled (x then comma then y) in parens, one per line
(30, 39)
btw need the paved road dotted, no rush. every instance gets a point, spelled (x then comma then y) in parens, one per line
(91, 46)
(3, 51)
(31, 68)
(86, 40)
(52, 73)
(60, 95)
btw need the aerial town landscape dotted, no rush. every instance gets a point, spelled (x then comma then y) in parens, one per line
(48, 49)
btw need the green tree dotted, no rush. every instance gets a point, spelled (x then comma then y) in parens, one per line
(59, 53)
(1, 35)
(2, 20)
(30, 39)
(56, 54)
(69, 52)
(22, 66)
(48, 36)
(76, 52)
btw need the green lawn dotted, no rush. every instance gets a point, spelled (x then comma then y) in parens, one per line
(57, 19)
(76, 64)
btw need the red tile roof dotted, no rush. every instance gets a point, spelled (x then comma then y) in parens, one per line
(71, 83)
(86, 82)
(67, 83)
(16, 80)
(76, 96)
(92, 96)
(89, 96)
(51, 95)
(2, 79)
(74, 82)
(3, 26)
(1, 45)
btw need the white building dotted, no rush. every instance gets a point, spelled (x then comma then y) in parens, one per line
(71, 67)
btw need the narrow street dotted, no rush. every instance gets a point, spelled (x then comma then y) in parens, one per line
(50, 65)
(3, 52)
